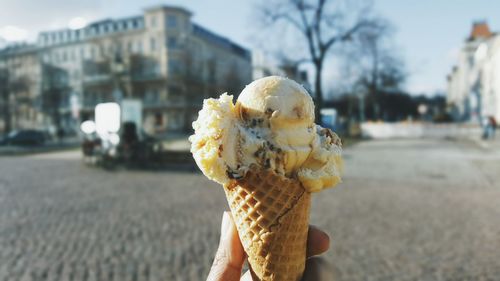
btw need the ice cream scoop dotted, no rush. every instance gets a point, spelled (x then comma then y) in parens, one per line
(287, 111)
(271, 125)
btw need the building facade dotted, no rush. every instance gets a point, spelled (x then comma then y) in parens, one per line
(474, 82)
(160, 57)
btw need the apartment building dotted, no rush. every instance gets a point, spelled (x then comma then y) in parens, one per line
(474, 82)
(160, 57)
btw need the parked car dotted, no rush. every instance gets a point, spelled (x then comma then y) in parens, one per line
(24, 137)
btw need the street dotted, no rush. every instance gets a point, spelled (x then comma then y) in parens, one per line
(407, 210)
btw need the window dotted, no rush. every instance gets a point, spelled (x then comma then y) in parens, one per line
(118, 48)
(471, 61)
(174, 94)
(130, 46)
(172, 42)
(152, 44)
(158, 119)
(139, 47)
(151, 96)
(173, 66)
(153, 22)
(171, 21)
(175, 120)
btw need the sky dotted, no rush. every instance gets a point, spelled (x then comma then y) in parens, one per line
(429, 33)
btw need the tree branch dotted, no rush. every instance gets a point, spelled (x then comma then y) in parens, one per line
(275, 17)
(301, 8)
(318, 19)
(345, 36)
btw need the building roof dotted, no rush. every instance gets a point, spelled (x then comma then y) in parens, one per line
(18, 49)
(480, 30)
(220, 41)
(105, 26)
(169, 7)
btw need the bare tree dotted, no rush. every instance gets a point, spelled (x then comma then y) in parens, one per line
(191, 85)
(55, 91)
(13, 90)
(375, 64)
(321, 24)
(5, 100)
(110, 60)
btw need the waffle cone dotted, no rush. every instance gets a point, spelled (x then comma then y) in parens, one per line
(271, 213)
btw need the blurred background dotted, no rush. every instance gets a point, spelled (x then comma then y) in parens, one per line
(97, 100)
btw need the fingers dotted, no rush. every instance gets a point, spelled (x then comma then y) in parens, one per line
(230, 254)
(318, 241)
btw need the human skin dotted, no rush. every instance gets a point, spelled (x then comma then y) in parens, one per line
(230, 256)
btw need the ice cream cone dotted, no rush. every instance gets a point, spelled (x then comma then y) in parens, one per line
(269, 155)
(271, 213)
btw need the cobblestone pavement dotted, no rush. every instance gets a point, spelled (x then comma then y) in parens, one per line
(407, 210)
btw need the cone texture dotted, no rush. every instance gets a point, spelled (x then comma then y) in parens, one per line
(271, 213)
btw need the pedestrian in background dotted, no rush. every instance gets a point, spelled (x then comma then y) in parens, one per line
(486, 127)
(492, 127)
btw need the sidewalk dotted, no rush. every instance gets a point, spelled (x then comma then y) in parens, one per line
(492, 144)
(66, 144)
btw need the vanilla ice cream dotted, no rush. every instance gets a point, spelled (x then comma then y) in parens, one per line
(271, 125)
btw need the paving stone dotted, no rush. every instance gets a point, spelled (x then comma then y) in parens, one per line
(407, 210)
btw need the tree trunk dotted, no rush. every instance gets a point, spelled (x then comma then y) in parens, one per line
(5, 99)
(318, 93)
(374, 86)
(7, 121)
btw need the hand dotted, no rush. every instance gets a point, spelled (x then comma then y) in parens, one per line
(230, 256)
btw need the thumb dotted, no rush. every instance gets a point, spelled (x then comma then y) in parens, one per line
(230, 254)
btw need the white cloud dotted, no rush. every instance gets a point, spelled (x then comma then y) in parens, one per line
(44, 15)
(77, 23)
(13, 33)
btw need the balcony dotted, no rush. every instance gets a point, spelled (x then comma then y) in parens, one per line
(147, 77)
(170, 104)
(97, 79)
